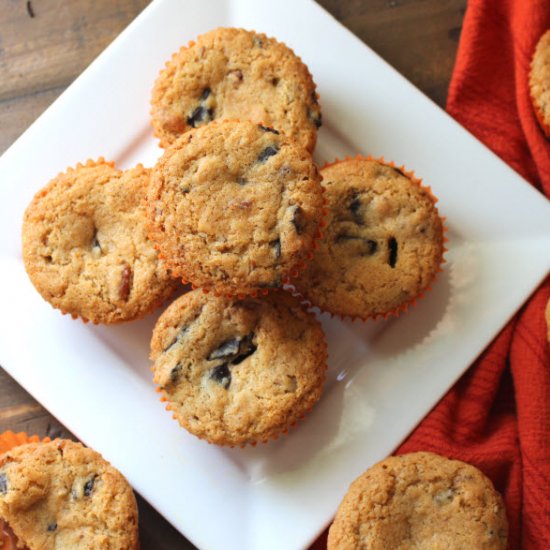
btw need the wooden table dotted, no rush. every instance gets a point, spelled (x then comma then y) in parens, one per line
(45, 44)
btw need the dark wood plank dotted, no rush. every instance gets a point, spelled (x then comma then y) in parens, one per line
(418, 37)
(41, 55)
(50, 49)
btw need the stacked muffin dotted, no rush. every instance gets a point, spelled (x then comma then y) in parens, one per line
(235, 208)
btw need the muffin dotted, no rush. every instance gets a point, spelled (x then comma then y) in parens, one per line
(235, 207)
(85, 245)
(420, 500)
(238, 371)
(235, 74)
(62, 495)
(383, 242)
(539, 82)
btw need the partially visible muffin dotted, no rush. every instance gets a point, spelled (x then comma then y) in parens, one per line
(238, 371)
(539, 82)
(383, 242)
(85, 244)
(63, 495)
(235, 74)
(420, 500)
(235, 207)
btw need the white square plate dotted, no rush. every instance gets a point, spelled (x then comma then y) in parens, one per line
(384, 376)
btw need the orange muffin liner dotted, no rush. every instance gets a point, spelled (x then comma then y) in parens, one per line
(274, 437)
(294, 273)
(191, 43)
(9, 440)
(44, 191)
(397, 311)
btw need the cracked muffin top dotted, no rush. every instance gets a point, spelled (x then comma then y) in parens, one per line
(238, 371)
(63, 495)
(383, 242)
(420, 500)
(85, 244)
(235, 207)
(235, 74)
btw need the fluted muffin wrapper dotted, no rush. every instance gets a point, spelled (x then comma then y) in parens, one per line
(74, 315)
(292, 274)
(403, 307)
(284, 431)
(162, 143)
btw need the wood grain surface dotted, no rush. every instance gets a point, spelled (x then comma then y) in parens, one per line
(46, 44)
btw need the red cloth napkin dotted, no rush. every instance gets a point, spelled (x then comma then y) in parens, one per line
(497, 417)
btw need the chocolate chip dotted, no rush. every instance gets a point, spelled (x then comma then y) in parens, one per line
(444, 497)
(246, 349)
(179, 337)
(3, 484)
(368, 246)
(205, 93)
(266, 129)
(316, 118)
(392, 245)
(355, 207)
(275, 81)
(344, 237)
(229, 348)
(235, 349)
(95, 242)
(52, 527)
(373, 246)
(266, 153)
(276, 244)
(89, 486)
(298, 219)
(125, 284)
(175, 373)
(200, 114)
(221, 375)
